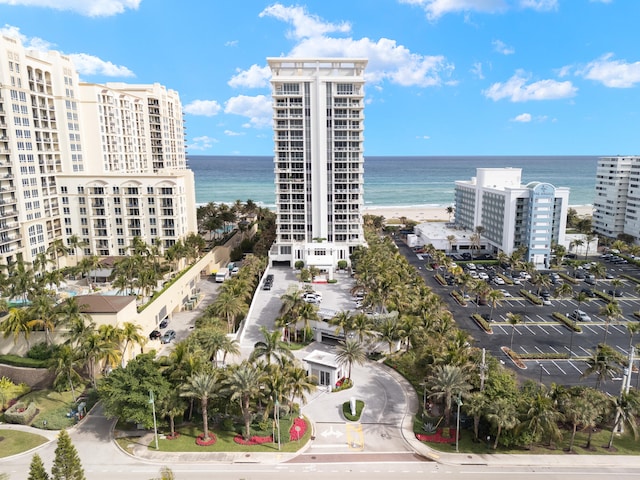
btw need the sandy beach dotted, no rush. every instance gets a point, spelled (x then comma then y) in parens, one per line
(428, 213)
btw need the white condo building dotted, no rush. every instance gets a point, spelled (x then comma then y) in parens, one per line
(512, 214)
(105, 163)
(318, 123)
(617, 200)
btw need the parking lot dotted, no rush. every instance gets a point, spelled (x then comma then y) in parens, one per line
(539, 332)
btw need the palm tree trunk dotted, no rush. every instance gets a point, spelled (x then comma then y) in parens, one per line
(495, 443)
(73, 391)
(613, 430)
(205, 420)
(172, 425)
(573, 437)
(246, 414)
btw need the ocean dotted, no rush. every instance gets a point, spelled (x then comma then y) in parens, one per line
(392, 181)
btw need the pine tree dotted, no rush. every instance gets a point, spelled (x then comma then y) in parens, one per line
(66, 464)
(37, 470)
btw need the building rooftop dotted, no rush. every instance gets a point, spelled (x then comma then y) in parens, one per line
(104, 303)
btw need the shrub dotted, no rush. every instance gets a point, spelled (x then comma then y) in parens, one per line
(20, 413)
(343, 384)
(342, 264)
(333, 280)
(299, 265)
(567, 321)
(482, 322)
(533, 298)
(459, 298)
(17, 361)
(41, 351)
(607, 298)
(440, 279)
(346, 410)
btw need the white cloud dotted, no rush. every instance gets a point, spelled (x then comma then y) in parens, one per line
(437, 8)
(612, 73)
(387, 60)
(231, 133)
(304, 24)
(517, 90)
(201, 143)
(523, 118)
(423, 137)
(256, 76)
(501, 47)
(257, 109)
(91, 65)
(540, 5)
(34, 43)
(231, 43)
(476, 70)
(205, 108)
(90, 8)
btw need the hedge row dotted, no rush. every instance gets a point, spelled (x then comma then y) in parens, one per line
(440, 279)
(531, 297)
(459, 298)
(604, 296)
(630, 278)
(568, 278)
(17, 361)
(567, 321)
(21, 414)
(543, 356)
(482, 322)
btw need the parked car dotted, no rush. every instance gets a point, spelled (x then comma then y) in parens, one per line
(312, 297)
(546, 300)
(164, 323)
(615, 293)
(504, 292)
(580, 315)
(168, 336)
(155, 335)
(588, 292)
(498, 281)
(235, 270)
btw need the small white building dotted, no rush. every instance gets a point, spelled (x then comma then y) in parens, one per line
(325, 367)
(447, 237)
(577, 244)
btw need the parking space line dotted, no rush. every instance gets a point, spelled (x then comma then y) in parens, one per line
(558, 367)
(555, 327)
(574, 366)
(529, 328)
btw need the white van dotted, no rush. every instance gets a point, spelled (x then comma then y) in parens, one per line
(222, 275)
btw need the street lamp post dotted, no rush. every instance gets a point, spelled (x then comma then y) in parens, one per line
(276, 415)
(155, 425)
(459, 402)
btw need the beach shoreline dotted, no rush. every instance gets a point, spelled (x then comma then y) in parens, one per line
(426, 213)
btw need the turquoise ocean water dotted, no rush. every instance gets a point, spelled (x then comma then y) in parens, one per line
(392, 181)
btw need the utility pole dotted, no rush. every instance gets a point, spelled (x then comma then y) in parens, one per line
(155, 425)
(483, 370)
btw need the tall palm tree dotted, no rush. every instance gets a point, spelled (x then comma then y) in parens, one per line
(503, 416)
(343, 321)
(202, 385)
(299, 382)
(542, 417)
(17, 323)
(610, 312)
(578, 411)
(446, 382)
(131, 336)
(271, 345)
(229, 307)
(306, 314)
(494, 298)
(96, 348)
(75, 243)
(363, 327)
(243, 383)
(632, 329)
(65, 364)
(602, 364)
(513, 319)
(44, 315)
(56, 250)
(350, 352)
(475, 405)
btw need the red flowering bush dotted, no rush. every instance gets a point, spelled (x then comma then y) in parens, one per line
(297, 433)
(437, 437)
(201, 441)
(172, 437)
(254, 440)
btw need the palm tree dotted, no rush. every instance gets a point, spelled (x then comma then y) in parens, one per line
(563, 291)
(271, 345)
(610, 312)
(513, 319)
(625, 409)
(343, 321)
(306, 314)
(56, 250)
(578, 411)
(299, 383)
(65, 363)
(580, 297)
(44, 315)
(602, 364)
(632, 328)
(243, 383)
(229, 307)
(76, 243)
(502, 415)
(541, 417)
(17, 323)
(131, 336)
(475, 405)
(202, 385)
(95, 348)
(389, 333)
(447, 381)
(450, 210)
(350, 352)
(363, 327)
(494, 297)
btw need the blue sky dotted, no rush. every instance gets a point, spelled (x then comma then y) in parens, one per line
(445, 77)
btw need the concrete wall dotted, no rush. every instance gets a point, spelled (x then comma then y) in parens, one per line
(37, 378)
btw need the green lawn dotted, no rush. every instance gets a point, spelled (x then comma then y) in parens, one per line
(622, 445)
(186, 442)
(13, 442)
(53, 408)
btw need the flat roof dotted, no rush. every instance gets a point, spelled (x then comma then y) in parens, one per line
(104, 303)
(322, 358)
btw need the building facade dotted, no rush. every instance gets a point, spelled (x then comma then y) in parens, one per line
(617, 199)
(61, 141)
(509, 214)
(318, 123)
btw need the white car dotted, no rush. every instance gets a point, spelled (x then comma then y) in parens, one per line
(471, 266)
(312, 297)
(498, 281)
(505, 294)
(483, 276)
(580, 315)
